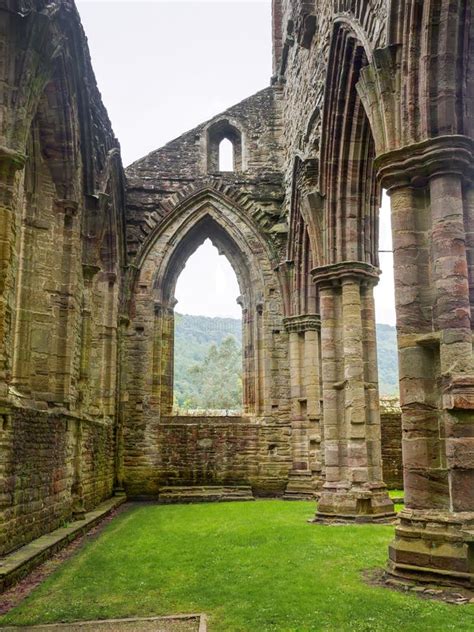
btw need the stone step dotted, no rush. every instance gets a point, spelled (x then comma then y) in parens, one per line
(204, 493)
(300, 487)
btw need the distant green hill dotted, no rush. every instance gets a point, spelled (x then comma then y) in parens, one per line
(196, 335)
(387, 359)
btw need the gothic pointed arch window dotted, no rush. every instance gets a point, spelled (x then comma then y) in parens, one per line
(226, 155)
(224, 148)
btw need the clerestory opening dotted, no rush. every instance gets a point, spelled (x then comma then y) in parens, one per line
(226, 155)
(224, 147)
(207, 337)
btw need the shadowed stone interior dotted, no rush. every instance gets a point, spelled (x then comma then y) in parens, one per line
(364, 96)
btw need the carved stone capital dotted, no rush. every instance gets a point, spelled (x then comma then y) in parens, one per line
(89, 271)
(10, 162)
(415, 164)
(336, 273)
(68, 207)
(302, 323)
(162, 309)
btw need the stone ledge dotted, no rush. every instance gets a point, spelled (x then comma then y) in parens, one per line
(19, 563)
(341, 518)
(301, 486)
(204, 493)
(173, 623)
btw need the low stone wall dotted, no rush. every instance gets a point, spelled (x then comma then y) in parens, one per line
(212, 451)
(391, 418)
(193, 450)
(39, 453)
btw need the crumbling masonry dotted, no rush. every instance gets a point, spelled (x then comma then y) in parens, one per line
(365, 95)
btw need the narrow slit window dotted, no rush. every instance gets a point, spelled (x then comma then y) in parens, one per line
(226, 155)
(384, 295)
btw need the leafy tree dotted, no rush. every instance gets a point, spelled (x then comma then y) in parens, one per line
(195, 370)
(387, 359)
(217, 381)
(208, 372)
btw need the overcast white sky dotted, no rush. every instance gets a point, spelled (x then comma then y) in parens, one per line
(163, 67)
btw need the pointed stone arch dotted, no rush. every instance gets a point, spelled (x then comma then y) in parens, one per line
(345, 281)
(348, 179)
(204, 213)
(219, 190)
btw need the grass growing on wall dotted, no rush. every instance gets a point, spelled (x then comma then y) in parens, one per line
(250, 566)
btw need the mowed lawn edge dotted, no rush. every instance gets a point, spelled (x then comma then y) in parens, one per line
(250, 566)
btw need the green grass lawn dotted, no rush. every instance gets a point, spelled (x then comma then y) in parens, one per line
(250, 566)
(396, 493)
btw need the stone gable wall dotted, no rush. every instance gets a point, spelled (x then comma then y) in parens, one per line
(155, 182)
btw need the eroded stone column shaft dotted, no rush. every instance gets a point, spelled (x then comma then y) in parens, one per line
(431, 237)
(304, 393)
(354, 489)
(450, 274)
(10, 163)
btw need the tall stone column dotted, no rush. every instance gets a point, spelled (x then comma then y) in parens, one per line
(121, 399)
(89, 272)
(10, 163)
(304, 477)
(430, 187)
(354, 489)
(109, 345)
(163, 357)
(67, 310)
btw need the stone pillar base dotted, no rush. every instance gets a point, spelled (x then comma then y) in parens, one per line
(361, 504)
(300, 486)
(78, 511)
(434, 546)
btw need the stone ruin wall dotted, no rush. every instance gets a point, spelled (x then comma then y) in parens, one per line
(180, 168)
(231, 451)
(248, 201)
(58, 432)
(217, 451)
(391, 439)
(71, 326)
(301, 60)
(60, 196)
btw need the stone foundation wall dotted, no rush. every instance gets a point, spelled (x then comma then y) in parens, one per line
(211, 451)
(97, 466)
(37, 463)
